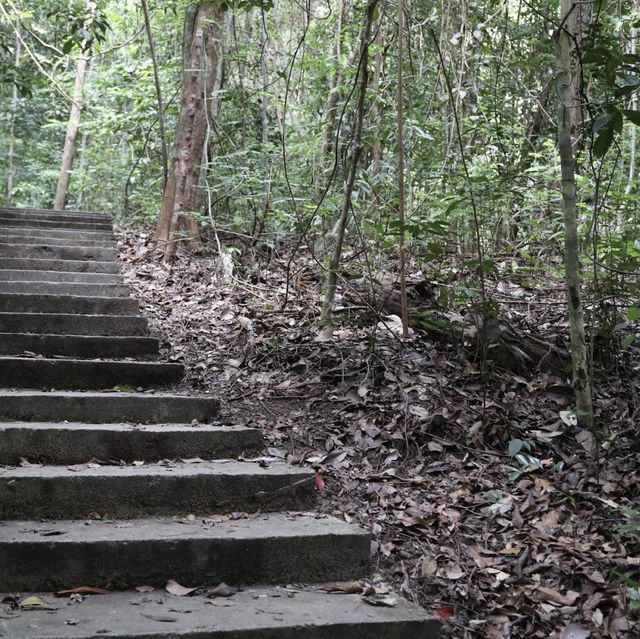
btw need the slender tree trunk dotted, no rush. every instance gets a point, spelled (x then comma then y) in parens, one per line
(376, 116)
(332, 275)
(12, 126)
(331, 106)
(581, 377)
(200, 61)
(631, 175)
(73, 127)
(402, 249)
(156, 78)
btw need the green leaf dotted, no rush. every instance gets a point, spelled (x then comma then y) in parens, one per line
(603, 142)
(633, 313)
(632, 116)
(381, 600)
(602, 121)
(628, 341)
(515, 446)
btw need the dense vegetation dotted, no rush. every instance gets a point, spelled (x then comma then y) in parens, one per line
(304, 119)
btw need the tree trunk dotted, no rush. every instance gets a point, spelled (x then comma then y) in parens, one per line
(156, 79)
(12, 127)
(402, 250)
(73, 127)
(332, 275)
(331, 106)
(566, 97)
(200, 61)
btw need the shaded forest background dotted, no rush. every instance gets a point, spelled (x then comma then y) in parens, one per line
(432, 132)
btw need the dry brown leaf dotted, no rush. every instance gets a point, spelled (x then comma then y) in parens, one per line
(553, 596)
(352, 587)
(145, 588)
(81, 590)
(175, 588)
(25, 463)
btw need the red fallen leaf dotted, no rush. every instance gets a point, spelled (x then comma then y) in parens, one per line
(320, 485)
(446, 612)
(81, 590)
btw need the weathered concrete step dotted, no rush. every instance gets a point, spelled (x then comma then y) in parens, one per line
(11, 275)
(25, 303)
(104, 408)
(73, 266)
(85, 374)
(25, 238)
(266, 549)
(254, 613)
(72, 324)
(76, 443)
(56, 492)
(77, 345)
(8, 219)
(76, 236)
(57, 252)
(36, 214)
(63, 288)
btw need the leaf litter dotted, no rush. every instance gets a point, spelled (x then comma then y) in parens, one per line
(479, 489)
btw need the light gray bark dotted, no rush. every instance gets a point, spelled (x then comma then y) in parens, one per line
(566, 100)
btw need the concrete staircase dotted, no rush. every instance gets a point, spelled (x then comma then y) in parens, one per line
(69, 334)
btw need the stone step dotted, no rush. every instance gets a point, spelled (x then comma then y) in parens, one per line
(85, 374)
(267, 549)
(11, 275)
(37, 214)
(57, 252)
(77, 345)
(25, 238)
(56, 492)
(253, 613)
(72, 266)
(63, 288)
(104, 408)
(26, 303)
(72, 324)
(9, 219)
(76, 443)
(75, 236)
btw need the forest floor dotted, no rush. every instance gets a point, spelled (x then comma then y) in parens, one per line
(484, 504)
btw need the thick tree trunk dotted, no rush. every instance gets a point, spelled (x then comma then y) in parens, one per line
(73, 127)
(200, 61)
(566, 97)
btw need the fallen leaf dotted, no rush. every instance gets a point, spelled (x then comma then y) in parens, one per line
(162, 618)
(35, 603)
(553, 596)
(320, 485)
(175, 588)
(381, 600)
(573, 631)
(447, 611)
(351, 587)
(145, 588)
(25, 463)
(222, 590)
(81, 590)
